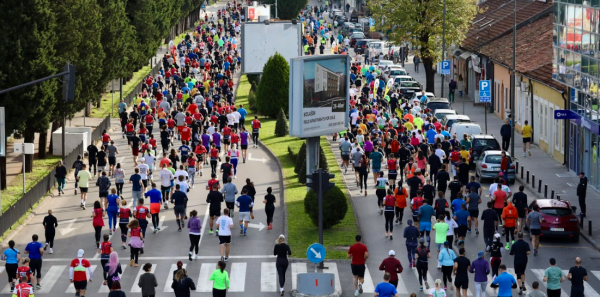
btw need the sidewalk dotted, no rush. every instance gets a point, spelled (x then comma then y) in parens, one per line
(540, 164)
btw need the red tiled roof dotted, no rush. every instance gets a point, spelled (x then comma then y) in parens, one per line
(544, 75)
(534, 46)
(497, 19)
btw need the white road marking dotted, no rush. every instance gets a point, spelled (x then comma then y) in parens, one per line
(368, 286)
(204, 284)
(134, 287)
(588, 289)
(206, 213)
(297, 268)
(332, 268)
(512, 271)
(237, 277)
(169, 281)
(430, 278)
(105, 289)
(539, 273)
(268, 277)
(71, 288)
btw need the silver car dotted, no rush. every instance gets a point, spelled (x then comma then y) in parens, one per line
(488, 166)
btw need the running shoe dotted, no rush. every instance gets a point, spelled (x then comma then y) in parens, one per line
(131, 263)
(46, 246)
(124, 247)
(535, 252)
(391, 237)
(217, 233)
(420, 288)
(507, 246)
(110, 232)
(360, 288)
(529, 152)
(476, 231)
(245, 234)
(355, 293)
(37, 287)
(179, 230)
(209, 232)
(226, 259)
(524, 288)
(241, 232)
(427, 285)
(190, 256)
(520, 291)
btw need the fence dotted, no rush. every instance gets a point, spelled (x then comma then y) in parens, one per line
(10, 216)
(104, 125)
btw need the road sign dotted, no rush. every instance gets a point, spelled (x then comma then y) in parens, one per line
(445, 67)
(485, 91)
(565, 114)
(316, 253)
(371, 22)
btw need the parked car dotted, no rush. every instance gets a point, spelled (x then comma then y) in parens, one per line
(416, 97)
(450, 120)
(379, 47)
(355, 36)
(376, 35)
(400, 78)
(341, 19)
(441, 113)
(435, 103)
(383, 63)
(465, 128)
(392, 71)
(334, 12)
(408, 88)
(558, 219)
(488, 166)
(361, 45)
(481, 143)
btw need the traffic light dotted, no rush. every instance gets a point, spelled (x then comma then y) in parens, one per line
(314, 184)
(69, 83)
(325, 184)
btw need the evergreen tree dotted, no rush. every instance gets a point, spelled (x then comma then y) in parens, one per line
(273, 89)
(335, 207)
(287, 9)
(301, 158)
(281, 126)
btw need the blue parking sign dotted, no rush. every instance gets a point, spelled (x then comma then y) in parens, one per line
(485, 91)
(445, 67)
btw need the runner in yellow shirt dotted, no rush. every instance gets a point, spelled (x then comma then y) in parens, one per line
(527, 132)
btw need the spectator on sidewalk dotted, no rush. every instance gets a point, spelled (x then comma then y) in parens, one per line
(582, 192)
(505, 132)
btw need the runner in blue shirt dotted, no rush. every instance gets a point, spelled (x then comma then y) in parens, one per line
(35, 250)
(184, 150)
(385, 289)
(426, 211)
(244, 203)
(12, 257)
(155, 203)
(504, 282)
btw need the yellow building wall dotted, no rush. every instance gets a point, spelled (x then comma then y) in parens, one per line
(501, 81)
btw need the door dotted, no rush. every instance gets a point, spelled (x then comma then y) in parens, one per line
(551, 133)
(574, 147)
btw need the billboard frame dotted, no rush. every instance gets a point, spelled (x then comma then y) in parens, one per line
(245, 46)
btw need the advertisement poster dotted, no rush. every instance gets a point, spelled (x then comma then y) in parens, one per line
(321, 109)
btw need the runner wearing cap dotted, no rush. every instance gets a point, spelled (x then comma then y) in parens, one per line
(391, 266)
(77, 273)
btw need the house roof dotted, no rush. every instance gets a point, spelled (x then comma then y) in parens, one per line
(543, 75)
(496, 20)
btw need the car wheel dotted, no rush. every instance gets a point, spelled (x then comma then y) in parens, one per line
(576, 238)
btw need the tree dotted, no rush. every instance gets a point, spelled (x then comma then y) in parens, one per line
(287, 9)
(420, 23)
(300, 158)
(273, 89)
(335, 207)
(281, 126)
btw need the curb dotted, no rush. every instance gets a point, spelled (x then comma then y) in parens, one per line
(281, 184)
(595, 244)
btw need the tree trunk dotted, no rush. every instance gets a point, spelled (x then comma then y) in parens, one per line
(429, 76)
(87, 111)
(29, 137)
(42, 145)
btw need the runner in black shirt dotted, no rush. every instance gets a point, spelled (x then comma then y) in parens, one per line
(461, 272)
(455, 186)
(50, 223)
(519, 200)
(577, 275)
(226, 168)
(442, 178)
(92, 157)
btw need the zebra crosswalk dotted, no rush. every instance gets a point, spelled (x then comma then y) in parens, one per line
(257, 276)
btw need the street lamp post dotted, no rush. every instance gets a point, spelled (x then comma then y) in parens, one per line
(443, 46)
(513, 82)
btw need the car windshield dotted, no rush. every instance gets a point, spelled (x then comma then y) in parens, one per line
(493, 159)
(410, 84)
(438, 105)
(486, 142)
(398, 72)
(556, 212)
(358, 35)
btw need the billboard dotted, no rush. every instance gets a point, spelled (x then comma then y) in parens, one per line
(261, 41)
(318, 95)
(253, 12)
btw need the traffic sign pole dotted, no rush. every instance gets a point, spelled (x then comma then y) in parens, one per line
(485, 96)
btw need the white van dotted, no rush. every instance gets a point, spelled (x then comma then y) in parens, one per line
(465, 128)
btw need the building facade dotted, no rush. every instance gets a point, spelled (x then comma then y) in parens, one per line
(576, 64)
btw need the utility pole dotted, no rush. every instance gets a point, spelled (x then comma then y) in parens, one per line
(443, 46)
(513, 82)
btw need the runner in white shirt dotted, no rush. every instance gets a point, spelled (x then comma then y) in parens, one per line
(211, 130)
(354, 117)
(144, 169)
(179, 172)
(165, 176)
(224, 226)
(150, 160)
(230, 119)
(236, 119)
(183, 185)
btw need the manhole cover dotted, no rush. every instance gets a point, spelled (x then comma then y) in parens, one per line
(569, 174)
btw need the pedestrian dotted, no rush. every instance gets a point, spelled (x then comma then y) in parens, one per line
(461, 276)
(195, 227)
(441, 230)
(527, 133)
(534, 220)
(97, 220)
(244, 202)
(136, 241)
(61, 177)
(481, 268)
(182, 284)
(92, 151)
(249, 186)
(179, 200)
(147, 281)
(425, 213)
(400, 195)
(119, 175)
(113, 270)
(12, 257)
(112, 210)
(520, 250)
(389, 202)
(437, 290)
(115, 290)
(496, 249)
(269, 202)
(105, 249)
(256, 125)
(553, 277)
(535, 286)
(83, 178)
(490, 224)
(581, 193)
(386, 288)
(359, 253)
(142, 213)
(78, 166)
(77, 273)
(50, 223)
(155, 198)
(505, 132)
(137, 186)
(509, 216)
(451, 90)
(220, 279)
(446, 259)
(519, 200)
(454, 229)
(281, 251)
(124, 215)
(224, 226)
(422, 256)
(363, 173)
(504, 282)
(392, 267)
(416, 62)
(23, 289)
(577, 275)
(229, 191)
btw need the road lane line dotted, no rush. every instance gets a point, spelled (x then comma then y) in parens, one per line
(169, 280)
(204, 284)
(332, 268)
(134, 287)
(268, 277)
(237, 277)
(297, 268)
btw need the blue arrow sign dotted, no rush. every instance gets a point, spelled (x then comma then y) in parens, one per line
(445, 67)
(316, 253)
(485, 90)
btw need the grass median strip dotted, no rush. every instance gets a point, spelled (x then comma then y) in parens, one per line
(301, 231)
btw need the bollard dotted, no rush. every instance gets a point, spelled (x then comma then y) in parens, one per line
(545, 191)
(539, 185)
(521, 171)
(533, 181)
(581, 222)
(552, 195)
(528, 176)
(517, 168)
(590, 227)
(557, 197)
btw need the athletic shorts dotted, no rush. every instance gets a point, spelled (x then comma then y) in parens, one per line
(345, 157)
(145, 183)
(83, 190)
(135, 151)
(179, 210)
(154, 208)
(376, 170)
(112, 160)
(534, 231)
(226, 141)
(224, 239)
(425, 226)
(520, 269)
(522, 213)
(358, 270)
(80, 285)
(461, 283)
(244, 146)
(102, 194)
(214, 212)
(474, 213)
(244, 216)
(462, 230)
(392, 176)
(36, 267)
(526, 139)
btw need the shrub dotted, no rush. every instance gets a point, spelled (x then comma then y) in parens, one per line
(300, 158)
(273, 89)
(302, 174)
(281, 126)
(293, 150)
(323, 159)
(335, 207)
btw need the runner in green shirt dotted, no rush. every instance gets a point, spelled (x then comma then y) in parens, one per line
(220, 279)
(553, 276)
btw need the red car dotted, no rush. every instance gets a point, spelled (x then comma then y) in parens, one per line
(558, 219)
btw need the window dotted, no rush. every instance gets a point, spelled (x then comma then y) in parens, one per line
(558, 133)
(506, 100)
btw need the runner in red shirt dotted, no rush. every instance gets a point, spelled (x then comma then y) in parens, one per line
(149, 119)
(23, 289)
(226, 137)
(255, 130)
(186, 134)
(24, 271)
(214, 158)
(213, 181)
(77, 273)
(201, 154)
(359, 253)
(105, 138)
